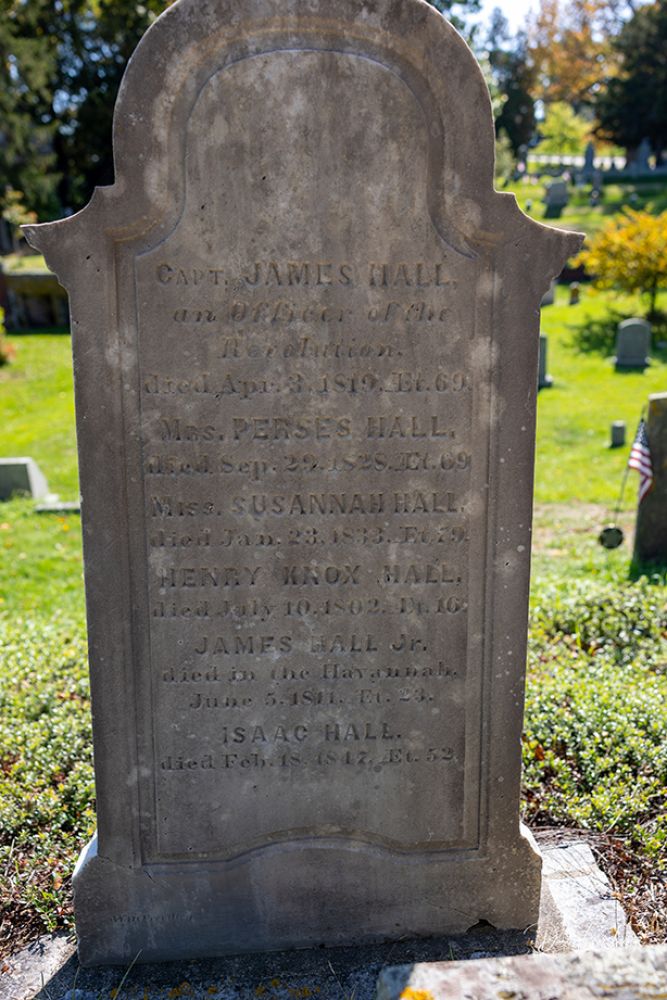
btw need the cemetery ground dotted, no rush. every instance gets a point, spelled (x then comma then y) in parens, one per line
(595, 741)
(580, 214)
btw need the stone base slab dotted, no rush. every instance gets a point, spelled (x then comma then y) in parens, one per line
(629, 973)
(303, 895)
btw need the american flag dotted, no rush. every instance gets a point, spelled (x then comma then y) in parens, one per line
(640, 459)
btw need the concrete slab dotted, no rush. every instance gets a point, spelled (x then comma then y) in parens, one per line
(57, 506)
(579, 907)
(626, 974)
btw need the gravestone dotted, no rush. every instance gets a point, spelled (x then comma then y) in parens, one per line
(22, 477)
(618, 430)
(589, 163)
(34, 299)
(544, 380)
(556, 198)
(642, 163)
(651, 529)
(305, 337)
(549, 296)
(633, 344)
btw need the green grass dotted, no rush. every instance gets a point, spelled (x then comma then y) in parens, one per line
(24, 262)
(574, 461)
(37, 408)
(595, 749)
(41, 565)
(579, 214)
(46, 777)
(40, 555)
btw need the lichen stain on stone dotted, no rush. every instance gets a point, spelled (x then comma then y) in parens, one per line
(411, 994)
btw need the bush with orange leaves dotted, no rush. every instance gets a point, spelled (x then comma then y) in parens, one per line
(630, 254)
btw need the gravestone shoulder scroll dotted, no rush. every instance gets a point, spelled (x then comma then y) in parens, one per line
(305, 330)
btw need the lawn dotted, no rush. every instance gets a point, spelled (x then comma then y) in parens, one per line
(574, 461)
(579, 214)
(595, 744)
(24, 262)
(41, 569)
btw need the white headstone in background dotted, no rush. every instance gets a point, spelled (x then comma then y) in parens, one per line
(633, 344)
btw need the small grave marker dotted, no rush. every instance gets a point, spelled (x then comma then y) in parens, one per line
(22, 477)
(633, 345)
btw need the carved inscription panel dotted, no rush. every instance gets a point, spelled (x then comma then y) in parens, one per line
(310, 412)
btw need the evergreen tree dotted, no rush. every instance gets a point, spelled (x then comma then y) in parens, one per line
(457, 12)
(633, 105)
(27, 71)
(514, 78)
(61, 63)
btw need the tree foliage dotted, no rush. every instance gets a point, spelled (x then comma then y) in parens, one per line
(630, 254)
(633, 106)
(514, 79)
(27, 71)
(61, 64)
(570, 49)
(457, 11)
(563, 132)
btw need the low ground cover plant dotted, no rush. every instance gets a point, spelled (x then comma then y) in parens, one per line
(595, 744)
(46, 779)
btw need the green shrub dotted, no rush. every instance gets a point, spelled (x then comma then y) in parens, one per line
(46, 777)
(595, 744)
(623, 622)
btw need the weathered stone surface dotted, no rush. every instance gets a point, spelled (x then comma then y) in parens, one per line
(579, 910)
(630, 973)
(306, 331)
(618, 432)
(48, 969)
(651, 531)
(633, 344)
(22, 476)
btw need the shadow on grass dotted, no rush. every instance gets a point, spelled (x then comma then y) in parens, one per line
(598, 336)
(653, 572)
(39, 331)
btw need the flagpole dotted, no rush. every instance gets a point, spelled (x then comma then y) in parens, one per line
(627, 469)
(612, 536)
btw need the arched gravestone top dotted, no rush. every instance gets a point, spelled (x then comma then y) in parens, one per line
(305, 334)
